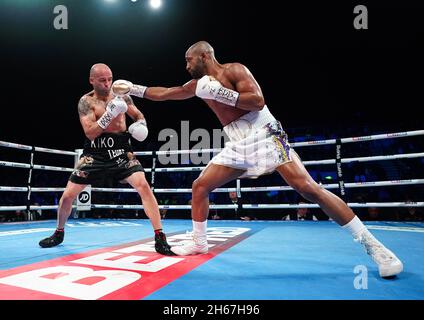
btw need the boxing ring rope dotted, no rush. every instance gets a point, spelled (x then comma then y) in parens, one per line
(302, 144)
(226, 190)
(238, 189)
(188, 169)
(38, 149)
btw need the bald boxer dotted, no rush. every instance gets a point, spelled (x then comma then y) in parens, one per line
(108, 154)
(258, 145)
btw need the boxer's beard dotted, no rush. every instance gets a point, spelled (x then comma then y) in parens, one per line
(197, 72)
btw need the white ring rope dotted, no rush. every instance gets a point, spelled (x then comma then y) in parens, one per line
(12, 208)
(228, 206)
(293, 144)
(68, 153)
(21, 208)
(177, 207)
(15, 189)
(225, 190)
(35, 166)
(350, 204)
(194, 169)
(39, 149)
(15, 164)
(51, 168)
(360, 139)
(302, 144)
(315, 162)
(15, 145)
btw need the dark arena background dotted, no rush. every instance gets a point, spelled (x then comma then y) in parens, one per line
(345, 80)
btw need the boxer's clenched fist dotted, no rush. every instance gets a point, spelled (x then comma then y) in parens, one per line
(138, 130)
(115, 107)
(123, 87)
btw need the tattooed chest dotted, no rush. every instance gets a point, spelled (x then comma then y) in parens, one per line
(98, 106)
(89, 105)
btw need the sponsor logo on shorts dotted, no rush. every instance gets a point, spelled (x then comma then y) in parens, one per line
(132, 163)
(80, 173)
(103, 142)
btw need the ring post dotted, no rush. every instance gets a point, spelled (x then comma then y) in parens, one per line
(340, 180)
(84, 197)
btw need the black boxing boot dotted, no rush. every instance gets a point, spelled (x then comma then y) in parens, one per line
(53, 240)
(161, 245)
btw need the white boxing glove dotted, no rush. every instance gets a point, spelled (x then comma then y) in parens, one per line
(115, 107)
(122, 87)
(209, 88)
(138, 130)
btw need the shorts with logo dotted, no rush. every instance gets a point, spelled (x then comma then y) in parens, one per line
(105, 160)
(258, 145)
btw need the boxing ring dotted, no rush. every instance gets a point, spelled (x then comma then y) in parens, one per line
(255, 260)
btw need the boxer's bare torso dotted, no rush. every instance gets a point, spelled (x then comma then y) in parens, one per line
(92, 105)
(229, 76)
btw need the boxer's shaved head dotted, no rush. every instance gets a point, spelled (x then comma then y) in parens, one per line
(101, 78)
(201, 47)
(99, 68)
(198, 56)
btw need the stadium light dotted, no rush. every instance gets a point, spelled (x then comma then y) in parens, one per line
(155, 4)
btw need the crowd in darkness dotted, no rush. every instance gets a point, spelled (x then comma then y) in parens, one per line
(389, 170)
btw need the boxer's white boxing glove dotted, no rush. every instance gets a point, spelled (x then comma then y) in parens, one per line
(123, 87)
(209, 88)
(138, 130)
(115, 107)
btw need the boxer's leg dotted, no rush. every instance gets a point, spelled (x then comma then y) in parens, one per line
(65, 203)
(138, 181)
(211, 178)
(214, 176)
(65, 207)
(295, 174)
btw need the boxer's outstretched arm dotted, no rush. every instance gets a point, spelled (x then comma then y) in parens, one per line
(183, 92)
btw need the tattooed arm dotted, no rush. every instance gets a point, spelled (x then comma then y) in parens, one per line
(138, 129)
(88, 118)
(133, 111)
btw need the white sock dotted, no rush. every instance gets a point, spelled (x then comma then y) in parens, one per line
(355, 227)
(199, 228)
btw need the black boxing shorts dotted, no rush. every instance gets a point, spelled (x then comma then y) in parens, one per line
(105, 160)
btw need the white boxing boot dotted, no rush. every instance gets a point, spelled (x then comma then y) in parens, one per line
(198, 244)
(388, 264)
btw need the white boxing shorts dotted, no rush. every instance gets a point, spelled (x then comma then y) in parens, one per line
(258, 144)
